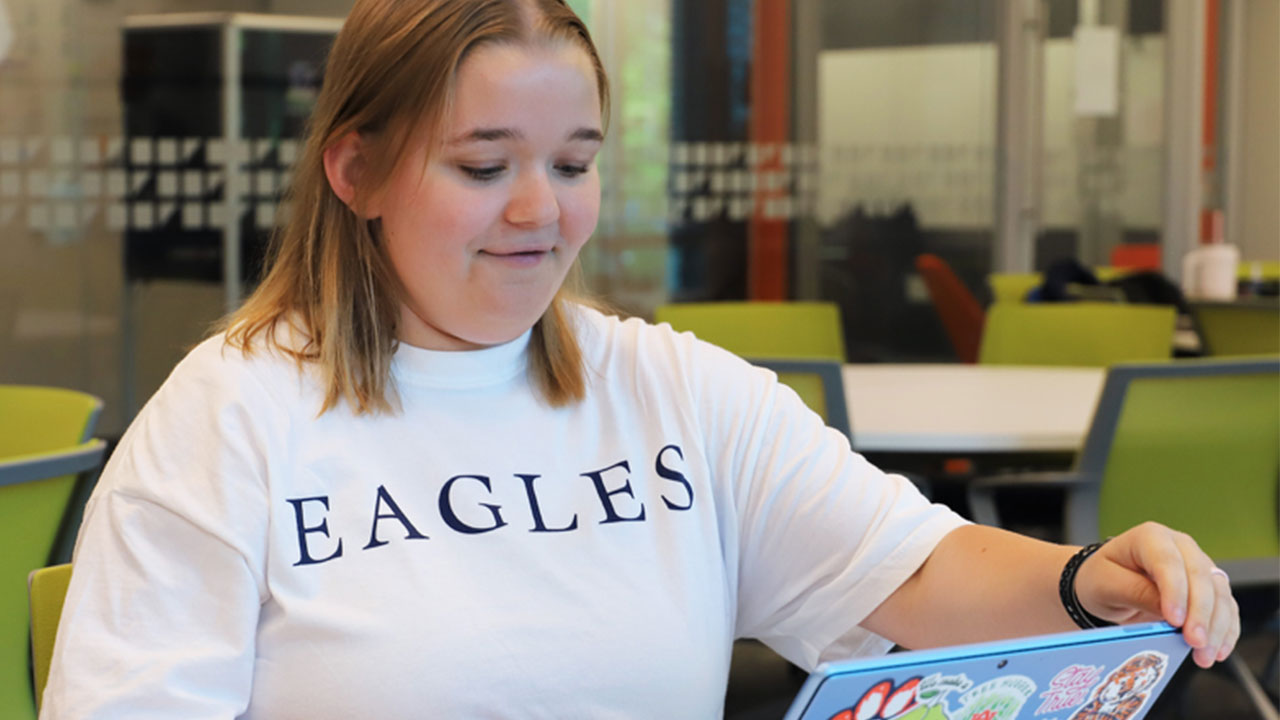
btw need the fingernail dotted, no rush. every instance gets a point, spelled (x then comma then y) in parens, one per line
(1179, 616)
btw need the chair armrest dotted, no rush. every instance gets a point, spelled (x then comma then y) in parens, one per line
(38, 466)
(1064, 478)
(981, 491)
(1247, 572)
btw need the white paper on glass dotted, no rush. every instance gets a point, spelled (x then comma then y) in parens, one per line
(1097, 71)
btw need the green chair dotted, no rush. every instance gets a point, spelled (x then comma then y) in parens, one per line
(1267, 270)
(796, 330)
(1012, 287)
(1107, 273)
(1242, 328)
(1194, 445)
(46, 588)
(1084, 334)
(44, 444)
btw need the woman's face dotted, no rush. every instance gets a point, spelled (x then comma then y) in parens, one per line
(482, 235)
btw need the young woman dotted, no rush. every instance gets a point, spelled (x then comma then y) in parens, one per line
(415, 478)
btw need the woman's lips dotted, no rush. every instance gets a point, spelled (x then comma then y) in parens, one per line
(516, 258)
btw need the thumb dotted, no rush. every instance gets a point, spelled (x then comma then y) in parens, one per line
(1117, 593)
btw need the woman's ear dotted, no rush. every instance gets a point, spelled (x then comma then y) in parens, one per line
(344, 164)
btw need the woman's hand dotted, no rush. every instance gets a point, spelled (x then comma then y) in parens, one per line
(1152, 573)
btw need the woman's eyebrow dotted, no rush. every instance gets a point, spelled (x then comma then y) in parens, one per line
(494, 134)
(587, 133)
(486, 135)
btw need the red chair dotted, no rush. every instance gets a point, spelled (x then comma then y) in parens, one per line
(961, 314)
(1136, 256)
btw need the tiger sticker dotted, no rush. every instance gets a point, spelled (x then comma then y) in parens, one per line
(1127, 689)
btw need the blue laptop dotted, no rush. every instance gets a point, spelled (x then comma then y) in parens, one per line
(1110, 673)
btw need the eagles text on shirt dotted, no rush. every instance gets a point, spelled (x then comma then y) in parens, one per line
(310, 513)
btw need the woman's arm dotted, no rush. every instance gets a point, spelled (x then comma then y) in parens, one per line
(162, 610)
(983, 583)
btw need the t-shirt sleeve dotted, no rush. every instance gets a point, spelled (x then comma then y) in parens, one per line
(819, 535)
(161, 614)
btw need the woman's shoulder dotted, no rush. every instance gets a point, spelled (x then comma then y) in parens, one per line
(605, 330)
(609, 338)
(231, 370)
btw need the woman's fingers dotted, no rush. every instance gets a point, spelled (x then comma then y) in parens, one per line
(1169, 565)
(1150, 552)
(1202, 596)
(1213, 619)
(1225, 627)
(1177, 580)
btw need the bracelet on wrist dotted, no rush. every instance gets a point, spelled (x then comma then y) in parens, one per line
(1067, 590)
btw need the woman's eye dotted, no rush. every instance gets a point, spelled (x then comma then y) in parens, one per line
(482, 173)
(572, 171)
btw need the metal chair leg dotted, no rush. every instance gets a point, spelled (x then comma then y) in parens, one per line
(982, 506)
(1244, 676)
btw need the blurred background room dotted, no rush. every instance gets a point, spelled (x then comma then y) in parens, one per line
(935, 173)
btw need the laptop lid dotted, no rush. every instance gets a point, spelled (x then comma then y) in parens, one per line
(1110, 673)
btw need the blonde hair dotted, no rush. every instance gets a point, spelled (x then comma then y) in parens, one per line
(389, 76)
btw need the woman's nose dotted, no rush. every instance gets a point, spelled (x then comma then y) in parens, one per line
(533, 201)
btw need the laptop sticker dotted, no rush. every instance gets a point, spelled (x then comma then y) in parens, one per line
(1126, 689)
(882, 701)
(931, 696)
(999, 699)
(1069, 688)
(916, 699)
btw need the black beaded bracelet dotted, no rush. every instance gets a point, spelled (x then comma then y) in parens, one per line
(1067, 590)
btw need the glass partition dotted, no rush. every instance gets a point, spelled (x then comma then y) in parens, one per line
(903, 109)
(807, 149)
(1103, 129)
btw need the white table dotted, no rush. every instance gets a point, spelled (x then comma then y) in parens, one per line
(970, 408)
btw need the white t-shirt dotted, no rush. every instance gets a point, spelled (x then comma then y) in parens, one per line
(476, 554)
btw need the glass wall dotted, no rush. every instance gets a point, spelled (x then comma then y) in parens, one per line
(1103, 129)
(905, 110)
(118, 155)
(117, 159)
(626, 260)
(757, 148)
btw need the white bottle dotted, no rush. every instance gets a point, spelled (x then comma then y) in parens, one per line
(1217, 272)
(1216, 265)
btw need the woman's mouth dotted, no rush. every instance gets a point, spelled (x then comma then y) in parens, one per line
(516, 258)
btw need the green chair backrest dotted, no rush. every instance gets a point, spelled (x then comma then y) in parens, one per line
(1239, 329)
(1076, 334)
(1107, 273)
(804, 330)
(46, 589)
(1192, 444)
(1268, 270)
(36, 419)
(1012, 287)
(39, 428)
